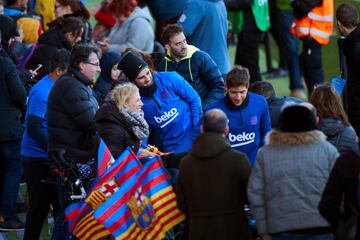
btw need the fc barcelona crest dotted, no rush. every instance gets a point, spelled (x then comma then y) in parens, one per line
(141, 209)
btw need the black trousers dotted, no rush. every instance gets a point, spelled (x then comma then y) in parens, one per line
(247, 52)
(42, 194)
(311, 63)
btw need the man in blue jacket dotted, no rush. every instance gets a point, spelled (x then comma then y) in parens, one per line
(196, 66)
(248, 113)
(171, 105)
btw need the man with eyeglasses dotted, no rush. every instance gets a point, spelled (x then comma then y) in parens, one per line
(171, 106)
(71, 119)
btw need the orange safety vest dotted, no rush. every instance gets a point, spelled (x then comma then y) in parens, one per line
(318, 23)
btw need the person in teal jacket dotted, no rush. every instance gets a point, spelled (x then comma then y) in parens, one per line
(205, 26)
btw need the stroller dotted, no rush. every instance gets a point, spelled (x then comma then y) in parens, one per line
(68, 173)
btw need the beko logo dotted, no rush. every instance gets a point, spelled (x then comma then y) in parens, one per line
(242, 139)
(167, 117)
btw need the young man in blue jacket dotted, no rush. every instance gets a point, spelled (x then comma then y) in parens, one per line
(248, 113)
(194, 65)
(171, 105)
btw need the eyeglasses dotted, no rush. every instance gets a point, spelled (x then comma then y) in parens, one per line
(94, 64)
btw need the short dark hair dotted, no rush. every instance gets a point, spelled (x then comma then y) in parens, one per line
(263, 88)
(238, 76)
(170, 31)
(60, 59)
(215, 120)
(81, 53)
(347, 15)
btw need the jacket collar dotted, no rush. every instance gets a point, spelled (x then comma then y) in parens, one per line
(276, 137)
(80, 76)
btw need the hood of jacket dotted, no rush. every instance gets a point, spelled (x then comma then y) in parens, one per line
(276, 137)
(209, 145)
(140, 13)
(107, 61)
(54, 37)
(191, 50)
(8, 29)
(331, 126)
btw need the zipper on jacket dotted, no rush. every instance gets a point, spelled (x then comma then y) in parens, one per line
(156, 102)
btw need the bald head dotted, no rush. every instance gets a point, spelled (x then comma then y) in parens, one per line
(215, 121)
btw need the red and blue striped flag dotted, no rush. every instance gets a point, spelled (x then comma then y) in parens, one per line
(80, 217)
(143, 208)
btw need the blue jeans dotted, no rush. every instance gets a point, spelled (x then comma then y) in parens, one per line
(60, 230)
(290, 236)
(291, 44)
(12, 169)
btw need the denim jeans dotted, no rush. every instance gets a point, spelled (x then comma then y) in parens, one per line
(290, 236)
(291, 44)
(12, 163)
(60, 230)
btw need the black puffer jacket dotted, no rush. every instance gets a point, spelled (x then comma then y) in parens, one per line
(12, 101)
(49, 42)
(341, 136)
(352, 53)
(71, 117)
(115, 130)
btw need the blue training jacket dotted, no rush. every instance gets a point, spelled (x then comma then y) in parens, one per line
(248, 125)
(174, 110)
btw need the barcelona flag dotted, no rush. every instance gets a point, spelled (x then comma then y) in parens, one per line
(144, 207)
(105, 158)
(80, 217)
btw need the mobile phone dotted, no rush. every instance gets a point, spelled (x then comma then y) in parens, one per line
(37, 68)
(101, 43)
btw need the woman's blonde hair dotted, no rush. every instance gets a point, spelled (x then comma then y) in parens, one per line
(122, 93)
(328, 103)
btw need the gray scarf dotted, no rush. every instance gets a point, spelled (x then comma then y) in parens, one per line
(139, 126)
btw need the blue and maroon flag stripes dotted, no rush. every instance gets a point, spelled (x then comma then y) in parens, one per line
(80, 215)
(144, 207)
(105, 159)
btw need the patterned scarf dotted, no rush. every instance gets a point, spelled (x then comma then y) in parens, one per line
(139, 126)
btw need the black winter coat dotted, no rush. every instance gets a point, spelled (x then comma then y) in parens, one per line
(115, 130)
(351, 48)
(211, 190)
(49, 42)
(12, 101)
(71, 117)
(342, 185)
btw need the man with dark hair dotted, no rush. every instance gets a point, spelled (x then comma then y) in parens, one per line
(72, 107)
(71, 120)
(211, 186)
(171, 105)
(194, 65)
(248, 113)
(347, 21)
(34, 148)
(275, 103)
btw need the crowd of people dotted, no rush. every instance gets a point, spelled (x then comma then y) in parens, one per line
(233, 144)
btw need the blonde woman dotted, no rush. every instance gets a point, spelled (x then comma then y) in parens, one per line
(120, 120)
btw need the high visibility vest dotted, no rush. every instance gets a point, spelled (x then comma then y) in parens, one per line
(318, 23)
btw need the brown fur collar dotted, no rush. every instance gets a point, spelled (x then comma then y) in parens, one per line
(276, 137)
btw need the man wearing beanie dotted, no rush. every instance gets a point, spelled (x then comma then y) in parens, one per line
(289, 177)
(171, 105)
